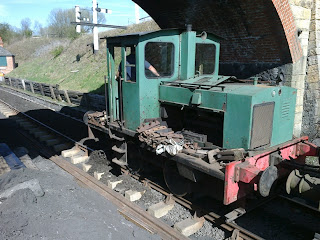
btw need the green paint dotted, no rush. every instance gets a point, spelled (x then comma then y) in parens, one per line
(237, 102)
(187, 83)
(187, 68)
(196, 98)
(141, 98)
(3, 61)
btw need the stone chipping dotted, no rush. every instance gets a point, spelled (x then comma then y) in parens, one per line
(66, 211)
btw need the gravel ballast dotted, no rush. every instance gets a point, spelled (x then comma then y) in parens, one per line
(66, 211)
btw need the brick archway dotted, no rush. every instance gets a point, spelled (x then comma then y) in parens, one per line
(286, 17)
(257, 35)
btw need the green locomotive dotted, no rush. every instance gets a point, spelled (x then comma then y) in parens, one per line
(169, 100)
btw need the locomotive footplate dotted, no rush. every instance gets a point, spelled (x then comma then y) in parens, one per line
(241, 171)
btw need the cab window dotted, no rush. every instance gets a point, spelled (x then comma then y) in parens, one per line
(159, 55)
(205, 58)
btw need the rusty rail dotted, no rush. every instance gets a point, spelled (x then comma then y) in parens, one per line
(131, 211)
(212, 217)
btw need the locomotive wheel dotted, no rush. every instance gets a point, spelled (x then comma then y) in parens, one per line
(177, 184)
(134, 157)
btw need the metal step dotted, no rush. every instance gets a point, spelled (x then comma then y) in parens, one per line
(118, 150)
(117, 161)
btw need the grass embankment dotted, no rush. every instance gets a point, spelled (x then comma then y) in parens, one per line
(71, 64)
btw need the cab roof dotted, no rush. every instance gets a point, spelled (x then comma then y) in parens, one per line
(136, 36)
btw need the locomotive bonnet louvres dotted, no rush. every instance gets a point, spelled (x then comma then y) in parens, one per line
(231, 137)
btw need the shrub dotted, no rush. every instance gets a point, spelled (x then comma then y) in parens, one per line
(57, 51)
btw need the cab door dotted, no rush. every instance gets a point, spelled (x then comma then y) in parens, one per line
(123, 91)
(130, 102)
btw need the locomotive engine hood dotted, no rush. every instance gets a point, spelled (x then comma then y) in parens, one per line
(254, 116)
(237, 114)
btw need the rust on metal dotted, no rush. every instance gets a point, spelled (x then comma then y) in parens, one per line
(127, 215)
(169, 199)
(211, 216)
(245, 172)
(154, 133)
(129, 209)
(147, 126)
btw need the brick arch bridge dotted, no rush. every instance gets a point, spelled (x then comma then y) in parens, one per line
(260, 38)
(257, 35)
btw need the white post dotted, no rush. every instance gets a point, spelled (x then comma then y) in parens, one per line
(137, 13)
(78, 28)
(95, 29)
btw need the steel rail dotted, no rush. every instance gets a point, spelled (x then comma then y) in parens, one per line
(130, 210)
(44, 125)
(40, 99)
(212, 217)
(14, 91)
(300, 203)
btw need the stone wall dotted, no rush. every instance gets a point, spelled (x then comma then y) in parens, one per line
(304, 74)
(301, 10)
(255, 35)
(310, 123)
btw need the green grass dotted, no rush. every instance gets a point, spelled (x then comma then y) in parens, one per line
(71, 64)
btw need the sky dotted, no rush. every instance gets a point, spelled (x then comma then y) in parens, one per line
(13, 11)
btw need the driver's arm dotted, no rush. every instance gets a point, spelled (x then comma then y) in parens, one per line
(154, 71)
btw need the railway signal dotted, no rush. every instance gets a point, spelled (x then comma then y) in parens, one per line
(78, 18)
(94, 24)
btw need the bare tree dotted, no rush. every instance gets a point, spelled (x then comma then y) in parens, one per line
(26, 27)
(60, 22)
(37, 28)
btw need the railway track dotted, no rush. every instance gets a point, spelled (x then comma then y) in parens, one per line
(211, 216)
(126, 208)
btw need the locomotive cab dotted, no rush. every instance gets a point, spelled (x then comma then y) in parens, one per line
(135, 99)
(170, 52)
